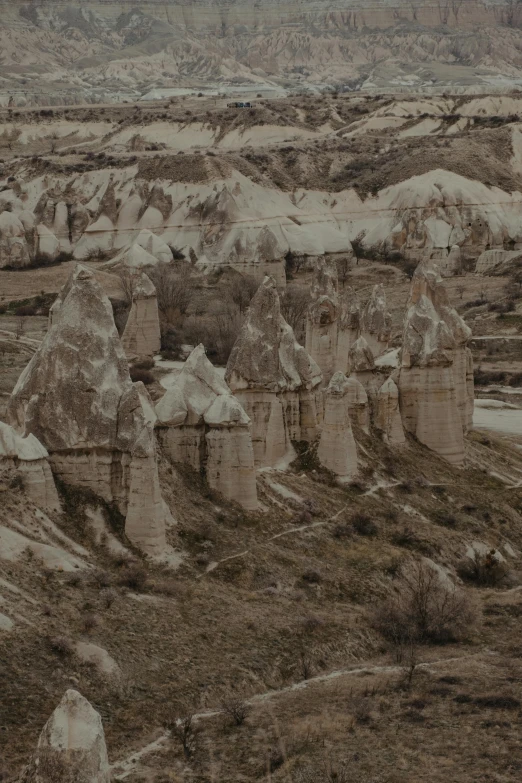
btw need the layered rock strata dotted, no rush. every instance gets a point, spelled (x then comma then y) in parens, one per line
(337, 450)
(29, 459)
(71, 745)
(275, 379)
(141, 337)
(388, 415)
(77, 398)
(201, 424)
(376, 322)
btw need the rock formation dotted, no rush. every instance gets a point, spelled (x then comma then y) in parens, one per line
(14, 250)
(141, 336)
(29, 459)
(77, 398)
(274, 378)
(322, 320)
(362, 365)
(154, 245)
(201, 424)
(388, 415)
(337, 450)
(427, 281)
(358, 406)
(376, 322)
(435, 393)
(349, 327)
(71, 746)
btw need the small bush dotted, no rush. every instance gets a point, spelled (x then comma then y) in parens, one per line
(25, 310)
(363, 525)
(135, 577)
(424, 609)
(143, 364)
(144, 376)
(311, 576)
(62, 646)
(483, 569)
(236, 710)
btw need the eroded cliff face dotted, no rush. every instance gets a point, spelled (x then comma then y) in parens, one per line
(117, 46)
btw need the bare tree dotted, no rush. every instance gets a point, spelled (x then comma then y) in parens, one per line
(294, 307)
(240, 291)
(344, 265)
(236, 709)
(174, 290)
(19, 327)
(460, 290)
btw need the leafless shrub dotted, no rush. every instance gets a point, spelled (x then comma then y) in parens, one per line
(236, 709)
(483, 569)
(145, 376)
(62, 646)
(305, 664)
(295, 301)
(423, 609)
(240, 291)
(135, 577)
(174, 289)
(184, 730)
(108, 597)
(101, 579)
(90, 622)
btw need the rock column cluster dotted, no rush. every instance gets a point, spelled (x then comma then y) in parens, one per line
(76, 397)
(141, 337)
(275, 379)
(201, 424)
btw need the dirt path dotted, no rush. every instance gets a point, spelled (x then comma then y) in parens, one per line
(122, 769)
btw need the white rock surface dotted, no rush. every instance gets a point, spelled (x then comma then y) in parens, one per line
(30, 459)
(200, 423)
(76, 397)
(349, 327)
(141, 337)
(154, 246)
(358, 405)
(376, 322)
(14, 250)
(337, 450)
(431, 388)
(322, 319)
(274, 378)
(388, 416)
(71, 745)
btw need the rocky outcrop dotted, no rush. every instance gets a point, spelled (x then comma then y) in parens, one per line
(154, 246)
(29, 459)
(274, 378)
(71, 746)
(358, 405)
(428, 282)
(201, 424)
(434, 395)
(252, 253)
(77, 398)
(337, 450)
(376, 322)
(322, 319)
(14, 250)
(141, 337)
(362, 365)
(388, 415)
(349, 327)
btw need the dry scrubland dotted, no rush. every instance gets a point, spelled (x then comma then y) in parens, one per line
(272, 640)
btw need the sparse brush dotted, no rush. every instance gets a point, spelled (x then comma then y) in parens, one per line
(134, 576)
(422, 608)
(62, 646)
(236, 709)
(108, 596)
(90, 622)
(483, 569)
(364, 526)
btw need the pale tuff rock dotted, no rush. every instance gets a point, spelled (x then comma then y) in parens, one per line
(71, 745)
(387, 415)
(201, 424)
(47, 245)
(322, 320)
(254, 253)
(349, 327)
(427, 281)
(376, 322)
(362, 366)
(358, 405)
(141, 336)
(495, 262)
(76, 397)
(337, 450)
(427, 385)
(30, 459)
(451, 264)
(14, 250)
(154, 245)
(274, 378)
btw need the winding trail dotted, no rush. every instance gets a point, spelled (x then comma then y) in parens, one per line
(125, 767)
